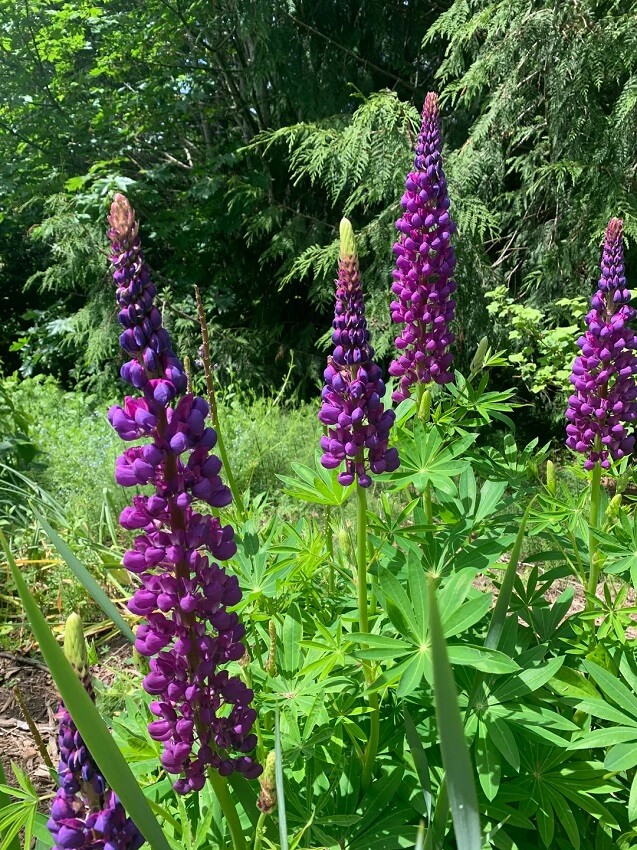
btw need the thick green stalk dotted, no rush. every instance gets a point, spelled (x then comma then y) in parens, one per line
(427, 504)
(361, 557)
(260, 828)
(220, 787)
(363, 623)
(329, 545)
(214, 413)
(593, 549)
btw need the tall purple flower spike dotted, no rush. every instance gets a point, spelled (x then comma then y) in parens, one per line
(203, 714)
(85, 813)
(425, 261)
(605, 397)
(358, 424)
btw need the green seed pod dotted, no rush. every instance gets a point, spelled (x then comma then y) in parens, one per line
(270, 664)
(342, 538)
(267, 798)
(75, 649)
(425, 406)
(141, 662)
(478, 358)
(613, 510)
(551, 479)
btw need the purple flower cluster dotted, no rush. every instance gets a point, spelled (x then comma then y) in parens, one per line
(605, 397)
(85, 813)
(425, 261)
(203, 714)
(358, 424)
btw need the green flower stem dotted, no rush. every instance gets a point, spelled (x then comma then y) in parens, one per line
(329, 545)
(260, 828)
(593, 550)
(427, 504)
(371, 749)
(220, 787)
(214, 413)
(361, 557)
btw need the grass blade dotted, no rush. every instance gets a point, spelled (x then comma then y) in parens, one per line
(91, 727)
(86, 579)
(455, 754)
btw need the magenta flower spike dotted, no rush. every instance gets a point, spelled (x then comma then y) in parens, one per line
(358, 425)
(85, 812)
(203, 715)
(603, 377)
(425, 261)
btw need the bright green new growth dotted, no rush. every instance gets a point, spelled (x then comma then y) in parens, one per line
(75, 646)
(347, 240)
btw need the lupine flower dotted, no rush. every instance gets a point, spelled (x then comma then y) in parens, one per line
(358, 424)
(85, 813)
(425, 261)
(203, 714)
(605, 397)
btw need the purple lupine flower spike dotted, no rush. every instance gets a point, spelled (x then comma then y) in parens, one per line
(204, 715)
(605, 397)
(425, 261)
(358, 424)
(85, 813)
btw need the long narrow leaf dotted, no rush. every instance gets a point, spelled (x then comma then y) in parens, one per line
(455, 754)
(501, 609)
(86, 579)
(420, 760)
(278, 777)
(99, 742)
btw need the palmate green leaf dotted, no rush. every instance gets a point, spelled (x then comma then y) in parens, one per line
(425, 460)
(455, 754)
(87, 719)
(318, 486)
(86, 579)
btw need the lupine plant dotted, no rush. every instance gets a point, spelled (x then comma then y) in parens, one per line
(400, 664)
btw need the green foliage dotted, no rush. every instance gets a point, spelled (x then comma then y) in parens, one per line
(548, 125)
